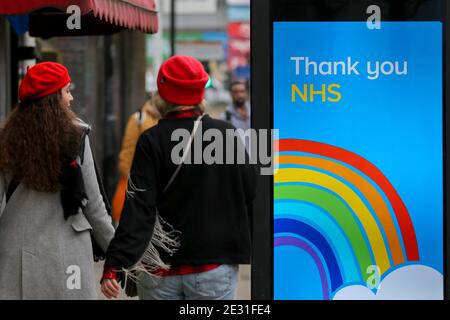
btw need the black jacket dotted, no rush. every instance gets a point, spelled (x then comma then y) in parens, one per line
(209, 204)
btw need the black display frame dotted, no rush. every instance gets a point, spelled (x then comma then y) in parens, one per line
(263, 14)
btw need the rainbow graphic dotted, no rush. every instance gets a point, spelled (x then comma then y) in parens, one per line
(342, 211)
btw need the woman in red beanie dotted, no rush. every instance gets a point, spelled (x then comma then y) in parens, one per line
(50, 194)
(184, 227)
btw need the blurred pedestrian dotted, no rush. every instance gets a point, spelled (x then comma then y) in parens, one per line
(53, 199)
(238, 112)
(184, 226)
(140, 121)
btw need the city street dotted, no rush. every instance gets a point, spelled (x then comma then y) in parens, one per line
(309, 139)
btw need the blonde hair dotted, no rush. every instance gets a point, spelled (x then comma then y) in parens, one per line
(164, 106)
(150, 108)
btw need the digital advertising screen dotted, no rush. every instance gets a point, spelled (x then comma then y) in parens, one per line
(358, 193)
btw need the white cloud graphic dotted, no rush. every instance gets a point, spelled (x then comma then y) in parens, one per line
(413, 282)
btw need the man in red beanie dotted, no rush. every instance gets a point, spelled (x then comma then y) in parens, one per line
(185, 227)
(182, 80)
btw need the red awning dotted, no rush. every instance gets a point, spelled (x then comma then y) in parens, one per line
(131, 14)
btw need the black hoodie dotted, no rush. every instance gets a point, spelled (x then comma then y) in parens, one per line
(210, 205)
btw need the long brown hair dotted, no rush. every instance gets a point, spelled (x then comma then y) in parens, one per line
(37, 140)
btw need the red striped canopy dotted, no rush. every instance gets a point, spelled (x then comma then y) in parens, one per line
(132, 14)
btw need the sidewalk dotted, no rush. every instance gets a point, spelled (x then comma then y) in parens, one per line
(243, 292)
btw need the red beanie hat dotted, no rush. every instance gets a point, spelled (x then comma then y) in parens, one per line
(42, 80)
(182, 80)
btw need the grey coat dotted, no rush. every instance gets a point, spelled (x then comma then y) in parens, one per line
(43, 256)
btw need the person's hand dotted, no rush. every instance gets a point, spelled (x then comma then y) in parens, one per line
(110, 288)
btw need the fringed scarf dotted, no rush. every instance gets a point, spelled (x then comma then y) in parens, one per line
(165, 237)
